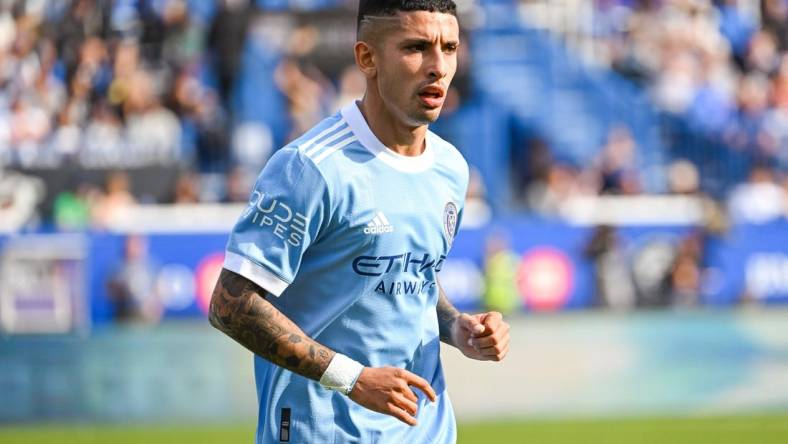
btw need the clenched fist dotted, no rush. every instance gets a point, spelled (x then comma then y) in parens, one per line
(482, 336)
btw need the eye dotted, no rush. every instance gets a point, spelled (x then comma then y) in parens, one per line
(450, 48)
(416, 47)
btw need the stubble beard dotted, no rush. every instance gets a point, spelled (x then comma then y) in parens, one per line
(414, 114)
(422, 116)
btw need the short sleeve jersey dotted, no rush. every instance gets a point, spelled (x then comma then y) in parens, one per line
(350, 236)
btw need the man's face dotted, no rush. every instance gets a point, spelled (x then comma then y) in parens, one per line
(417, 59)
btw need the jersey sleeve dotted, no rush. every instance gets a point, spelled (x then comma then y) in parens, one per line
(287, 210)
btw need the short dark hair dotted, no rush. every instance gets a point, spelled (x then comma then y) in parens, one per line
(391, 7)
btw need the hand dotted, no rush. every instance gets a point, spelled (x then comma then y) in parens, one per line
(388, 390)
(481, 336)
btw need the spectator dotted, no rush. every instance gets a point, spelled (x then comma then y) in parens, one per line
(226, 40)
(132, 286)
(759, 200)
(617, 163)
(351, 87)
(775, 20)
(19, 197)
(613, 282)
(103, 144)
(306, 96)
(113, 205)
(153, 131)
(763, 53)
(683, 178)
(686, 274)
(238, 185)
(736, 26)
(187, 189)
(500, 276)
(477, 211)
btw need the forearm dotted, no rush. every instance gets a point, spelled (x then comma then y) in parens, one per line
(447, 316)
(240, 310)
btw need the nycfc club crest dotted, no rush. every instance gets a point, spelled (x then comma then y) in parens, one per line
(450, 221)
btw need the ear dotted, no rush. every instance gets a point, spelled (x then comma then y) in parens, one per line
(366, 58)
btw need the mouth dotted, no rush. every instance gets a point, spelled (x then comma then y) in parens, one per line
(432, 96)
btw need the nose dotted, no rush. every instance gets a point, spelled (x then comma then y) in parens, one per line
(438, 65)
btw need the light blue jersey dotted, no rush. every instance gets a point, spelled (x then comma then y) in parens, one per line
(351, 236)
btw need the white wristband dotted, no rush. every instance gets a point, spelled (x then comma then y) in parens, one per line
(341, 374)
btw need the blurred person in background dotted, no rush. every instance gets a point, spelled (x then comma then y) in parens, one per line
(530, 166)
(683, 178)
(183, 41)
(187, 188)
(115, 202)
(351, 87)
(737, 27)
(759, 200)
(309, 92)
(19, 198)
(132, 286)
(548, 195)
(477, 211)
(204, 122)
(612, 277)
(71, 210)
(103, 141)
(616, 165)
(774, 16)
(226, 38)
(153, 131)
(500, 276)
(306, 96)
(686, 273)
(238, 185)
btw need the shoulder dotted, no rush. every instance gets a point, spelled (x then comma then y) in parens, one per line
(449, 156)
(329, 136)
(305, 156)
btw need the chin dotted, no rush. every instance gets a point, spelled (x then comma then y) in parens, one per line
(426, 117)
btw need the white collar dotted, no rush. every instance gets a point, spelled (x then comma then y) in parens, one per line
(409, 164)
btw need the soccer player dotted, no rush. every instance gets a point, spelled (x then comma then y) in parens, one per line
(331, 274)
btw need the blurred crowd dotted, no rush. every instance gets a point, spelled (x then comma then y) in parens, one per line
(88, 81)
(717, 70)
(118, 85)
(122, 84)
(722, 67)
(722, 64)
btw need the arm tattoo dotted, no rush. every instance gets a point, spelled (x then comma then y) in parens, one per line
(447, 315)
(239, 309)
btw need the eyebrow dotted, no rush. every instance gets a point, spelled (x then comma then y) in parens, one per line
(417, 40)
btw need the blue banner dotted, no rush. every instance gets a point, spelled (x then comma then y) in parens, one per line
(518, 264)
(153, 276)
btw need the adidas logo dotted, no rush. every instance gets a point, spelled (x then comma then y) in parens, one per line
(379, 225)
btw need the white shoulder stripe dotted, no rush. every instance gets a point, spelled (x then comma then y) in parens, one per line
(320, 157)
(315, 149)
(304, 146)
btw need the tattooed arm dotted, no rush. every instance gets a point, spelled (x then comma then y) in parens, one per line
(482, 336)
(239, 309)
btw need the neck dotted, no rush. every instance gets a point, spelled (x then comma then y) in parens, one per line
(401, 138)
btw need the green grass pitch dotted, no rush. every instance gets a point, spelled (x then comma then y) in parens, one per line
(696, 430)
